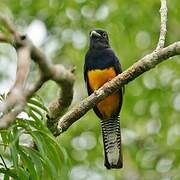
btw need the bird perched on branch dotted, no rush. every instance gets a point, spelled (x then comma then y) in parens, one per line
(101, 65)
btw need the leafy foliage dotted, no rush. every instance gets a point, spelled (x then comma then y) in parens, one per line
(43, 159)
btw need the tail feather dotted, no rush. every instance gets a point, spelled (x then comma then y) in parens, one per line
(112, 143)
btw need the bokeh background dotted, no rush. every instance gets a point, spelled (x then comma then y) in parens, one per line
(150, 117)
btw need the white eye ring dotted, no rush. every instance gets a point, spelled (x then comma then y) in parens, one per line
(104, 34)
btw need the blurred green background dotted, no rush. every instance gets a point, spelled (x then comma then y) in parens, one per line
(151, 110)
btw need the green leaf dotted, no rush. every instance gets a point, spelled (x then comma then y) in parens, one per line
(40, 163)
(38, 104)
(22, 174)
(27, 163)
(36, 159)
(36, 110)
(9, 172)
(13, 151)
(48, 154)
(5, 139)
(39, 122)
(6, 177)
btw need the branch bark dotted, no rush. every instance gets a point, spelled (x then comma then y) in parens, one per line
(22, 70)
(60, 105)
(163, 29)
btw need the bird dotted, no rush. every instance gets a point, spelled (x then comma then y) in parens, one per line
(100, 66)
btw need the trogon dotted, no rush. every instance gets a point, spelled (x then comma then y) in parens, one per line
(101, 65)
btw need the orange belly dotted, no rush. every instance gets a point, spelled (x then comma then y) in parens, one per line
(97, 78)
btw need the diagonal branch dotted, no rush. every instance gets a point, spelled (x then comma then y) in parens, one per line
(163, 29)
(145, 64)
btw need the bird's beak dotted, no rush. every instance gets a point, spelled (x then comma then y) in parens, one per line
(94, 33)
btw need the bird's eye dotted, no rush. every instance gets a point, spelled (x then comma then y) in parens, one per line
(104, 35)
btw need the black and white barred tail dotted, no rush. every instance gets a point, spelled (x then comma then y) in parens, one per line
(112, 143)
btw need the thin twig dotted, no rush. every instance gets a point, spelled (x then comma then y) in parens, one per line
(163, 25)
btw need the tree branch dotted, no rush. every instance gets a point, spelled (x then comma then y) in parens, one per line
(22, 70)
(145, 64)
(163, 29)
(60, 105)
(25, 49)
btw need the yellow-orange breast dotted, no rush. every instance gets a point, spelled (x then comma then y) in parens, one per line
(96, 79)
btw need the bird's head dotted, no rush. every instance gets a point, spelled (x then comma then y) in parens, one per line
(98, 39)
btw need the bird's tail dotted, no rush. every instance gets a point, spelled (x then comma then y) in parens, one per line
(112, 143)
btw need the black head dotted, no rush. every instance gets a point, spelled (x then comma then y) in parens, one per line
(98, 39)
